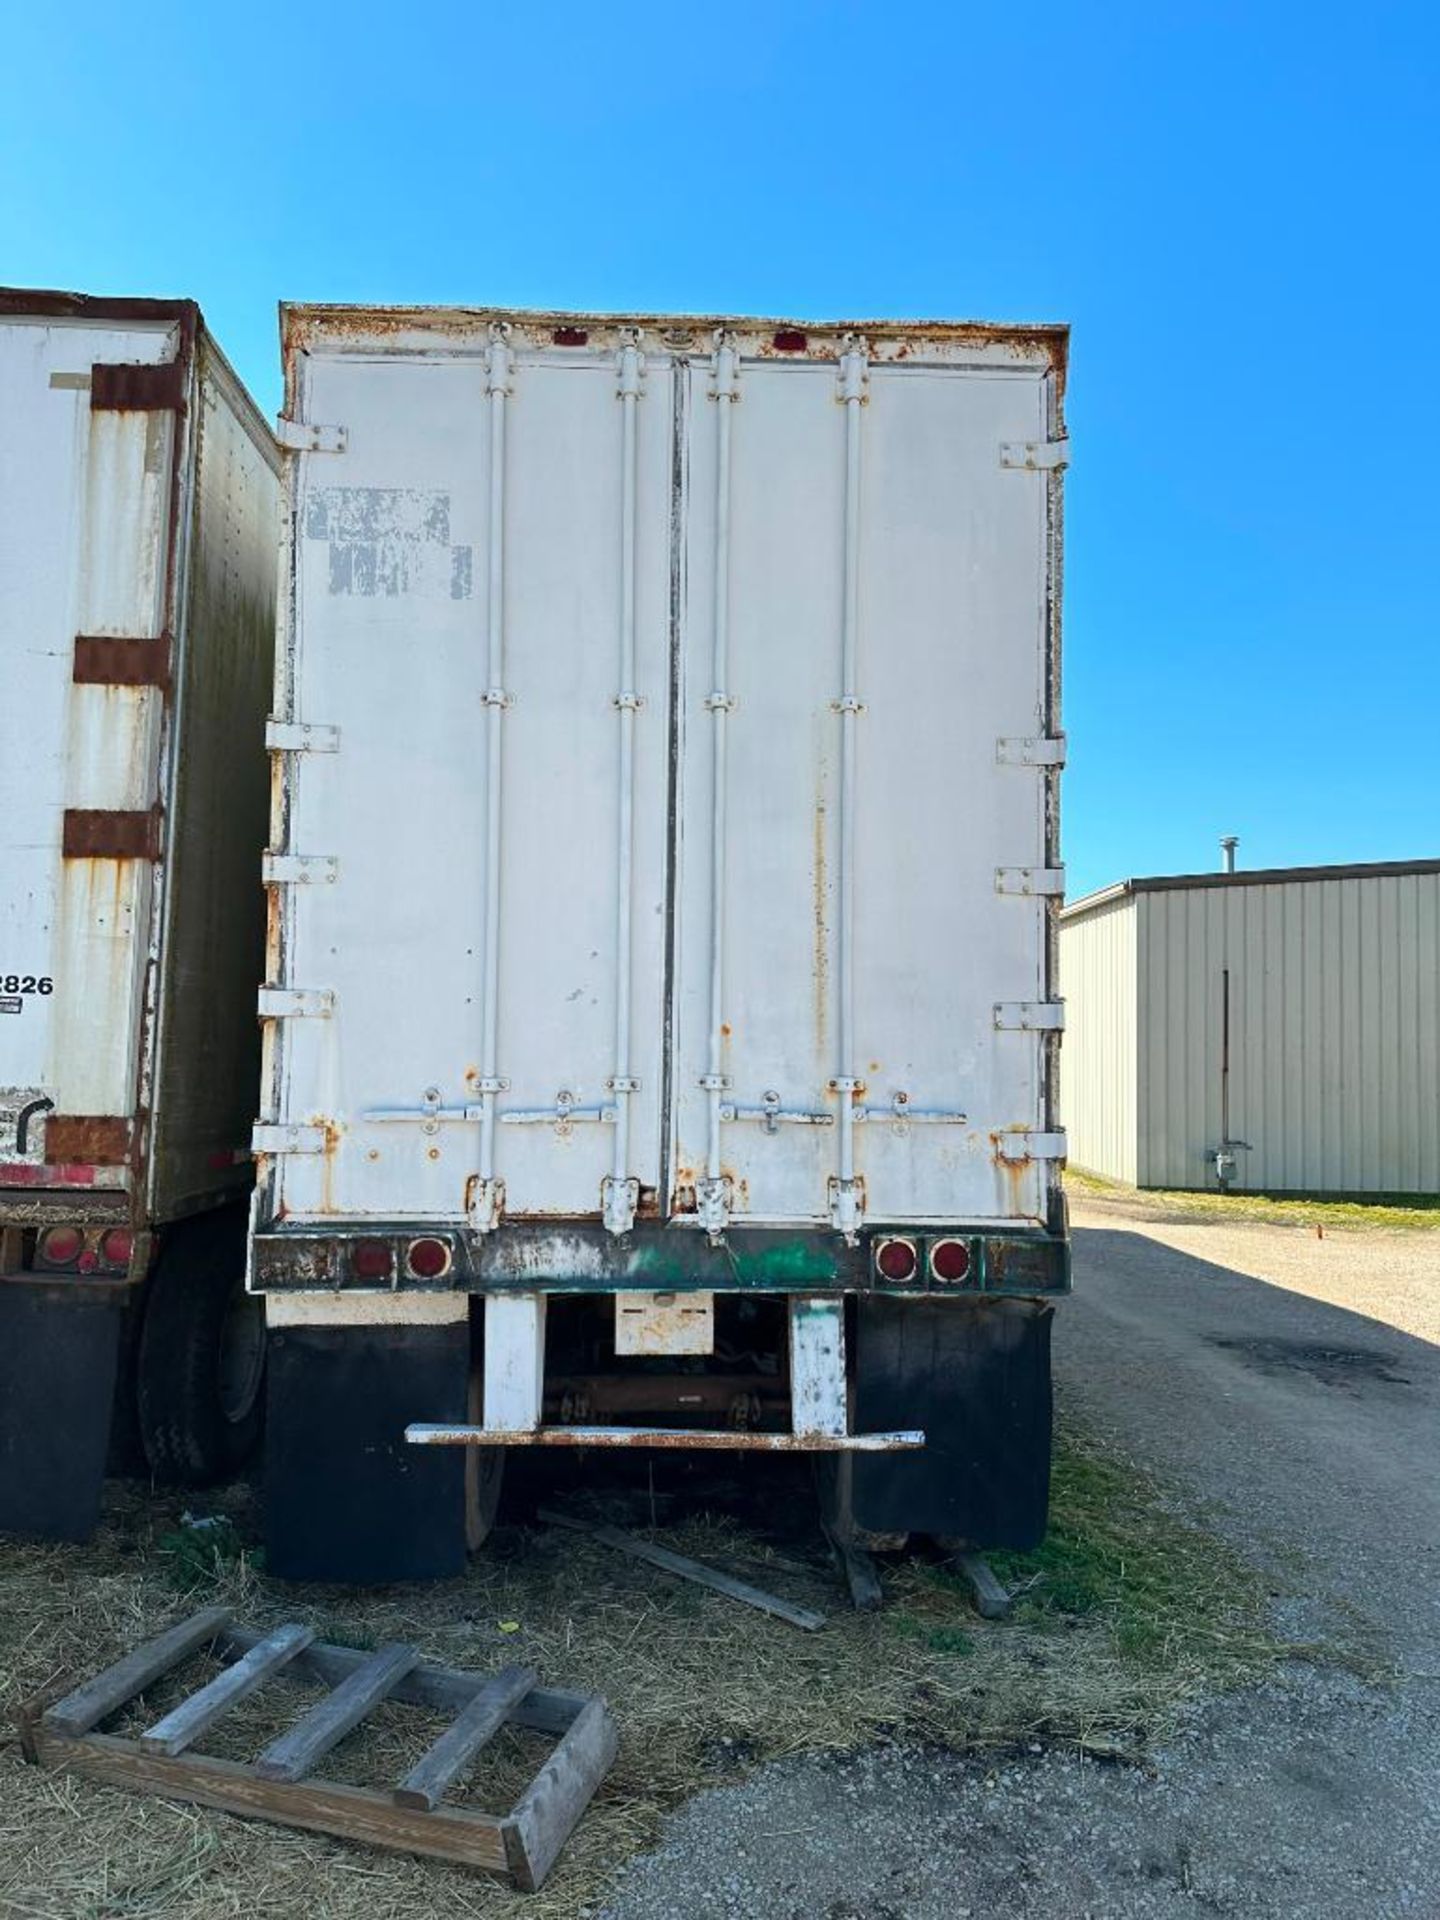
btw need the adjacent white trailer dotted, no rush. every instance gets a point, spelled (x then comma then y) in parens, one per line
(664, 869)
(1276, 1030)
(138, 536)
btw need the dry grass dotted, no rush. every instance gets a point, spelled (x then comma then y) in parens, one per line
(1128, 1614)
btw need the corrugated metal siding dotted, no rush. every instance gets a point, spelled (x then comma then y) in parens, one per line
(1098, 1070)
(1335, 1033)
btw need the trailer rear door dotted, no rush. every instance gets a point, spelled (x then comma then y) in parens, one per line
(944, 551)
(85, 494)
(532, 934)
(533, 505)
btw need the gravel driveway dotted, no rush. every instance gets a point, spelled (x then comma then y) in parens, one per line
(1293, 1383)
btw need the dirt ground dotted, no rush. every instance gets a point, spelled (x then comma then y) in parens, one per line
(1390, 1277)
(1292, 1385)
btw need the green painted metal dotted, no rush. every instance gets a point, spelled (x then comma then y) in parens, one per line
(568, 1259)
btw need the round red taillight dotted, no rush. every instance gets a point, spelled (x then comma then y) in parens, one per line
(372, 1260)
(427, 1259)
(896, 1259)
(950, 1260)
(60, 1246)
(88, 1261)
(116, 1247)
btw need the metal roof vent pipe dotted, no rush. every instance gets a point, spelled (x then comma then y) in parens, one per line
(1228, 844)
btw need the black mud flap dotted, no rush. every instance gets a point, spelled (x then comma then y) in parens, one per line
(975, 1375)
(59, 1346)
(346, 1499)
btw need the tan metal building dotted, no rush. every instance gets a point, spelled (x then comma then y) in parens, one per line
(1276, 1030)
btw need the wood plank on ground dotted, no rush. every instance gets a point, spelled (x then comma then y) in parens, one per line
(88, 1705)
(349, 1813)
(183, 1727)
(542, 1710)
(545, 1814)
(861, 1575)
(688, 1569)
(442, 1764)
(992, 1602)
(327, 1723)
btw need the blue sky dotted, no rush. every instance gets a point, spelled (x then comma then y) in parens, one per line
(1234, 206)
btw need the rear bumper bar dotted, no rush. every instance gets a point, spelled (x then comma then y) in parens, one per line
(680, 1438)
(579, 1256)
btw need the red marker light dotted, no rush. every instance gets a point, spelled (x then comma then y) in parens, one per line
(950, 1261)
(896, 1259)
(60, 1246)
(372, 1260)
(116, 1247)
(428, 1259)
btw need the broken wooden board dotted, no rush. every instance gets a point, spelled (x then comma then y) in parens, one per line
(992, 1602)
(412, 1817)
(861, 1574)
(688, 1569)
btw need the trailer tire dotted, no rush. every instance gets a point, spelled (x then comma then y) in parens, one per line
(201, 1359)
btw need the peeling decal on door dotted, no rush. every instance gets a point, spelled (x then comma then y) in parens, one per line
(388, 541)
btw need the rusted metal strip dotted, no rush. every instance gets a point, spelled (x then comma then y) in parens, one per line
(112, 833)
(122, 660)
(92, 1140)
(120, 388)
(63, 305)
(423, 1434)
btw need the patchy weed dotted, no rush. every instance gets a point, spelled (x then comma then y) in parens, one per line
(1382, 1212)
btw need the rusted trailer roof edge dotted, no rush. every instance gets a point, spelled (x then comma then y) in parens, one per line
(50, 303)
(305, 322)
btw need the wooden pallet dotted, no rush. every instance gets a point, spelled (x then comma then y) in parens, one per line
(413, 1817)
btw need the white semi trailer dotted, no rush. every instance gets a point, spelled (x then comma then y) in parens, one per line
(138, 538)
(660, 1015)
